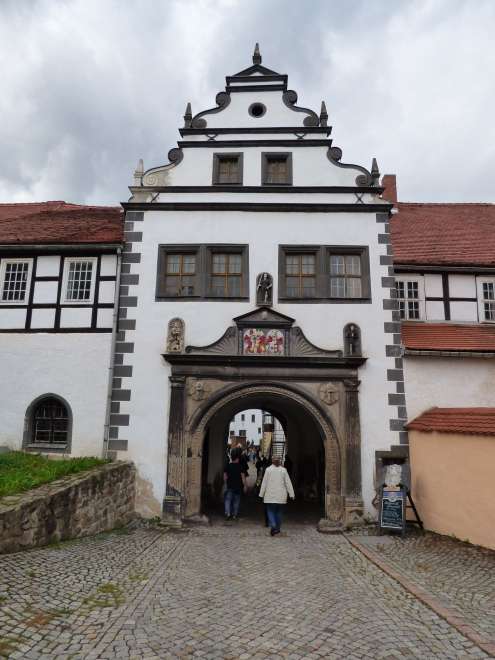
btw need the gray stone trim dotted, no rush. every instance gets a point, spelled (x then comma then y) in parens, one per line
(124, 347)
(459, 354)
(121, 395)
(119, 420)
(133, 237)
(127, 324)
(129, 280)
(117, 445)
(393, 346)
(125, 371)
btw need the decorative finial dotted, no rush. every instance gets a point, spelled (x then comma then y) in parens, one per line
(257, 55)
(188, 116)
(375, 173)
(323, 114)
(138, 172)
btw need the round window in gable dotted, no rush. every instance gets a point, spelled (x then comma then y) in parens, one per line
(257, 110)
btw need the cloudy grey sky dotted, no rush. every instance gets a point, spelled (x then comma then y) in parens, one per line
(90, 86)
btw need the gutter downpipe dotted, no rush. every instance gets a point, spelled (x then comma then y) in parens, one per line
(106, 431)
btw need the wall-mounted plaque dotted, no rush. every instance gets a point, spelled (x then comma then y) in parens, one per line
(258, 341)
(393, 509)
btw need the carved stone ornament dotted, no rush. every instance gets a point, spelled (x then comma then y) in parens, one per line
(328, 394)
(175, 336)
(264, 289)
(393, 475)
(198, 390)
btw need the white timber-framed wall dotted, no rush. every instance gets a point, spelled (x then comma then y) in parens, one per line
(54, 347)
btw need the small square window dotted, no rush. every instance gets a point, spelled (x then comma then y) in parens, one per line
(79, 280)
(15, 277)
(276, 169)
(300, 275)
(227, 169)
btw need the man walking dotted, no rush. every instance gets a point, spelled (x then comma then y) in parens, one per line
(235, 481)
(275, 487)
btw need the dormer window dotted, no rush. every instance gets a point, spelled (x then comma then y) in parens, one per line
(276, 169)
(227, 169)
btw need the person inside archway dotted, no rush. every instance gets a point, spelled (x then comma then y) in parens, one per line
(235, 483)
(275, 488)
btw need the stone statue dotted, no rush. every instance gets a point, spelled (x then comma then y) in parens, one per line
(264, 289)
(352, 340)
(175, 336)
(393, 475)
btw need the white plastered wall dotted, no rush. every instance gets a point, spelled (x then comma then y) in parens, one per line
(205, 321)
(448, 383)
(73, 366)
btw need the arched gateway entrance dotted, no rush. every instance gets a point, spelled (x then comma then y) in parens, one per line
(314, 391)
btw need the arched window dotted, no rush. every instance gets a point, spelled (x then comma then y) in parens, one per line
(48, 424)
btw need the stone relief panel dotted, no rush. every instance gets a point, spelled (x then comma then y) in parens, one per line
(329, 394)
(198, 390)
(175, 336)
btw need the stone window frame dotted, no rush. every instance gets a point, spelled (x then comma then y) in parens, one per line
(27, 441)
(3, 267)
(265, 155)
(420, 281)
(204, 257)
(322, 254)
(480, 280)
(217, 157)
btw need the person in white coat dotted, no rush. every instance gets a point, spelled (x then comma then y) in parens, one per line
(275, 488)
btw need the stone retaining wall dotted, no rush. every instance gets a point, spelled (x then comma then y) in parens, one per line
(77, 505)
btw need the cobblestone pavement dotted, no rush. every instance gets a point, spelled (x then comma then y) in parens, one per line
(216, 592)
(460, 575)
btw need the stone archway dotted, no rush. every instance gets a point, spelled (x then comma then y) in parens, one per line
(243, 396)
(322, 383)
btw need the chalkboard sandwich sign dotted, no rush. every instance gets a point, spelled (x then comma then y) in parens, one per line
(393, 509)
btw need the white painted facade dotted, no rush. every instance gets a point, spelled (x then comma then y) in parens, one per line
(206, 320)
(250, 422)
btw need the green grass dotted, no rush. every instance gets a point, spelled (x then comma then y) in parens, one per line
(20, 472)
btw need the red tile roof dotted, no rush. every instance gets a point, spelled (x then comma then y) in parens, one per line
(444, 234)
(448, 337)
(473, 421)
(58, 222)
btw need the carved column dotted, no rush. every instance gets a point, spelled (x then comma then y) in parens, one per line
(353, 492)
(173, 501)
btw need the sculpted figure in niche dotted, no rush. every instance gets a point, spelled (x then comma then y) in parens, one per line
(264, 289)
(175, 336)
(352, 340)
(393, 475)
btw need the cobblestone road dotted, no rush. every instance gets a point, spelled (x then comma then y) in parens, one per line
(215, 592)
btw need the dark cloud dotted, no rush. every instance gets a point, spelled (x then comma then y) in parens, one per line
(88, 87)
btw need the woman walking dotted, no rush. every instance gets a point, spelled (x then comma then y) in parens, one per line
(275, 487)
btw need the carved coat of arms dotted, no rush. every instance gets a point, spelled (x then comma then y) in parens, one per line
(262, 342)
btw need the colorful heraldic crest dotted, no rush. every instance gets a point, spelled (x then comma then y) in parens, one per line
(263, 342)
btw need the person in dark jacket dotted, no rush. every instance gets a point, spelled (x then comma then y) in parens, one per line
(235, 483)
